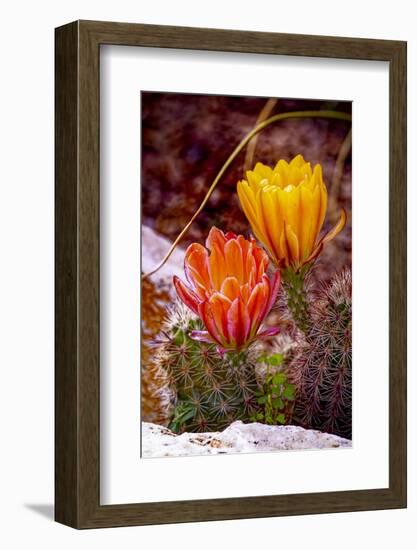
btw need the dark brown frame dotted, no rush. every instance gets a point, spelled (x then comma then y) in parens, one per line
(77, 274)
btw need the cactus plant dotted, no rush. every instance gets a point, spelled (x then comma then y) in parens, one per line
(212, 389)
(322, 368)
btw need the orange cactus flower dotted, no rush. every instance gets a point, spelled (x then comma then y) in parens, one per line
(228, 289)
(286, 207)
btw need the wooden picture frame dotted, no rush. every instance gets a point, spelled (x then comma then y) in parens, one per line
(77, 374)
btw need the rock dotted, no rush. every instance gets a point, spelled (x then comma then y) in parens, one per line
(154, 248)
(158, 441)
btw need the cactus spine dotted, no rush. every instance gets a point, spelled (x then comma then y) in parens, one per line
(212, 390)
(322, 369)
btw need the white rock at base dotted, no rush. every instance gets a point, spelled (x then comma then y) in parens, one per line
(158, 441)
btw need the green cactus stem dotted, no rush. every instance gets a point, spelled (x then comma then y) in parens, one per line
(294, 284)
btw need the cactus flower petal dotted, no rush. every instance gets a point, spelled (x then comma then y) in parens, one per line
(228, 288)
(216, 237)
(270, 331)
(207, 317)
(329, 236)
(275, 283)
(258, 302)
(336, 229)
(196, 267)
(201, 336)
(189, 297)
(238, 322)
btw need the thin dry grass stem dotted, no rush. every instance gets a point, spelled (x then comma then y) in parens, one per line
(263, 115)
(337, 177)
(276, 118)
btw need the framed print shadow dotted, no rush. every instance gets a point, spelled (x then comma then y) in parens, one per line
(230, 333)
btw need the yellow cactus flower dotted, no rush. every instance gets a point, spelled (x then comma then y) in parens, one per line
(286, 207)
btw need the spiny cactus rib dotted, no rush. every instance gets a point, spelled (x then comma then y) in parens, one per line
(322, 368)
(296, 291)
(211, 390)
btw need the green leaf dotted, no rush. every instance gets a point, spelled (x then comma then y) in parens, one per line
(173, 426)
(278, 403)
(184, 411)
(262, 400)
(188, 415)
(289, 392)
(279, 378)
(275, 359)
(281, 418)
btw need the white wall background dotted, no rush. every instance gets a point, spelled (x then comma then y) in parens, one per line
(27, 260)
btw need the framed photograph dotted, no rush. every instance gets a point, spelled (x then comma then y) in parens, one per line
(230, 274)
